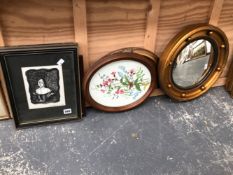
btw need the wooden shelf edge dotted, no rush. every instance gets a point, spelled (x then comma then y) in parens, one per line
(1, 38)
(215, 11)
(4, 97)
(152, 25)
(80, 29)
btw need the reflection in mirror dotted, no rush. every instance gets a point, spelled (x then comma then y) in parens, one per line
(193, 63)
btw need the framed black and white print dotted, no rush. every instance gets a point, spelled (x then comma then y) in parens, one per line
(44, 83)
(44, 86)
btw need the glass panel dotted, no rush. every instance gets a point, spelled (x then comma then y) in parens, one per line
(120, 83)
(193, 63)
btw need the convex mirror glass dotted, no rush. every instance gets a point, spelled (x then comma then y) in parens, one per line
(193, 63)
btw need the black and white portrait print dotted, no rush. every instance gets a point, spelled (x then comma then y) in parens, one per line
(44, 86)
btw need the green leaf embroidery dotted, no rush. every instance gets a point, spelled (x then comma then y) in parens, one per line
(137, 85)
(126, 78)
(128, 82)
(122, 82)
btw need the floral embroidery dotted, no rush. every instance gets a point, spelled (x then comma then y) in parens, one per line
(128, 83)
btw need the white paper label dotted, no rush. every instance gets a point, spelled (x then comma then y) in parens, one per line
(60, 62)
(67, 111)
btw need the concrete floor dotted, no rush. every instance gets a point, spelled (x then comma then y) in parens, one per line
(160, 137)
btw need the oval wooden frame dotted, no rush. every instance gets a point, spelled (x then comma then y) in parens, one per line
(150, 64)
(174, 47)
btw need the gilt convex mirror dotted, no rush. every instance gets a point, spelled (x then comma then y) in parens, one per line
(193, 61)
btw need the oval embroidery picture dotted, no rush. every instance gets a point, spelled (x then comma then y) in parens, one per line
(120, 83)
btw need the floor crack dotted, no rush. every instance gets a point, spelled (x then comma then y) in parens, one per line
(106, 139)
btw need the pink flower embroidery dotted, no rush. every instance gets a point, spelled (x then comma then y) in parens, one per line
(132, 71)
(122, 82)
(119, 91)
(105, 83)
(113, 73)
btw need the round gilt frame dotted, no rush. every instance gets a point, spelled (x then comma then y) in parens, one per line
(220, 45)
(149, 63)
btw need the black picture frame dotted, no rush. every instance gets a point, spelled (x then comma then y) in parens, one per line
(44, 83)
